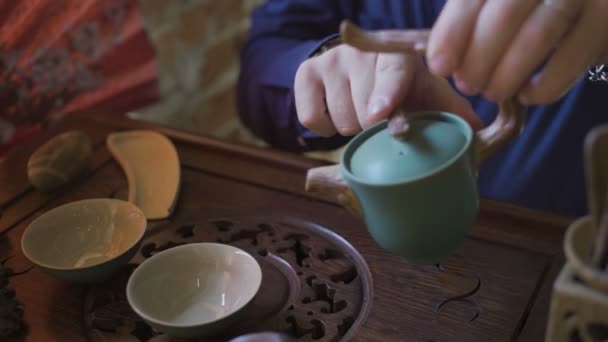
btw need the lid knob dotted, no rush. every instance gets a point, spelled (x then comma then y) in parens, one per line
(390, 155)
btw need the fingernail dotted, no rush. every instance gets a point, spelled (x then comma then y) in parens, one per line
(440, 65)
(465, 87)
(377, 105)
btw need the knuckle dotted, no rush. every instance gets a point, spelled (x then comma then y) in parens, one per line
(309, 119)
(305, 70)
(329, 60)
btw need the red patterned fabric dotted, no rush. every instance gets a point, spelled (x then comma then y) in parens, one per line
(64, 56)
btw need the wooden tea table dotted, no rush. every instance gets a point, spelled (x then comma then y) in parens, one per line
(324, 277)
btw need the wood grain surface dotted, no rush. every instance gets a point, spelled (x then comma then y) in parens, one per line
(506, 265)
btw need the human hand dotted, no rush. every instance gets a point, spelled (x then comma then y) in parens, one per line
(345, 90)
(494, 47)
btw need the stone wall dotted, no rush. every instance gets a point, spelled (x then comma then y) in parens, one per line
(197, 43)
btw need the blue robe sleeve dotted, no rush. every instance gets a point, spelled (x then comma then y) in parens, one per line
(283, 34)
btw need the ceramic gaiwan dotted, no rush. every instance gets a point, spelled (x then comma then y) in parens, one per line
(413, 177)
(85, 241)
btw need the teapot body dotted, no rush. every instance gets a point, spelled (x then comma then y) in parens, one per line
(424, 219)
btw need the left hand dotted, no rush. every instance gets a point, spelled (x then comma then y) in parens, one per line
(493, 47)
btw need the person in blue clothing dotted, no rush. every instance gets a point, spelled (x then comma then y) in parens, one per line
(300, 90)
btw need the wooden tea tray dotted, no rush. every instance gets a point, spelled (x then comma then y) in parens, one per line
(325, 279)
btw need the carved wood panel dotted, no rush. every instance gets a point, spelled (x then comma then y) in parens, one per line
(315, 285)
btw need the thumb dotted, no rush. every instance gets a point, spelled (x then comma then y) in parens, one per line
(393, 78)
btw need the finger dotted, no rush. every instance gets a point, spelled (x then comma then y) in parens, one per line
(340, 104)
(436, 94)
(309, 94)
(361, 86)
(393, 77)
(582, 47)
(450, 35)
(497, 25)
(538, 37)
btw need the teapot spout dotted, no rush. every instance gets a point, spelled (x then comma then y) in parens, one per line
(327, 183)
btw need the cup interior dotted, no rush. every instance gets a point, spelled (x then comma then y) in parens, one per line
(83, 234)
(578, 247)
(193, 284)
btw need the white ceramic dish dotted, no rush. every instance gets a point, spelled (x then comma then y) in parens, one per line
(85, 241)
(195, 289)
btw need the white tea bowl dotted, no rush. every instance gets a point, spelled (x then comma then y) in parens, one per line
(195, 289)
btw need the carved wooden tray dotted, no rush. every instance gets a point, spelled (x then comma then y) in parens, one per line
(315, 285)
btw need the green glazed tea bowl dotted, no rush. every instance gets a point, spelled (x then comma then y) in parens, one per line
(85, 241)
(417, 193)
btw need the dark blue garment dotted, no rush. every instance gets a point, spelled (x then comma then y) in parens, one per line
(542, 169)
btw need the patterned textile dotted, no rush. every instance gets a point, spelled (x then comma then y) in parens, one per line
(64, 56)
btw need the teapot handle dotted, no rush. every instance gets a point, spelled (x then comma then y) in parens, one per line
(511, 114)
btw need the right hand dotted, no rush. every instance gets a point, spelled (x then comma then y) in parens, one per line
(345, 90)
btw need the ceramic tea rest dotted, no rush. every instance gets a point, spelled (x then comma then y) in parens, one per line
(415, 188)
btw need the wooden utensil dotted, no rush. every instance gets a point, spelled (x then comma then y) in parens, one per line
(416, 41)
(596, 159)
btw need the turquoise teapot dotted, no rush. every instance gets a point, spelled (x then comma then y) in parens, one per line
(413, 177)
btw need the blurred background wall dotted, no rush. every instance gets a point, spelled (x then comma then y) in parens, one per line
(197, 45)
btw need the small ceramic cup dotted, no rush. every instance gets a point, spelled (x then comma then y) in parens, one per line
(578, 244)
(195, 289)
(85, 241)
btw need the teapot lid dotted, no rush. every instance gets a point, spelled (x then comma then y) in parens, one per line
(433, 141)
